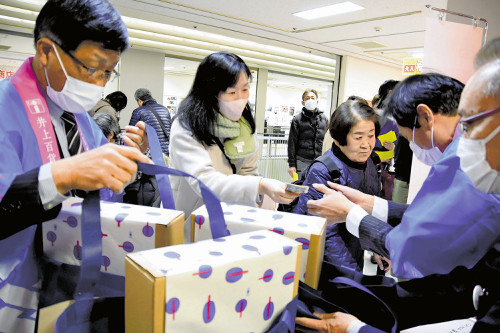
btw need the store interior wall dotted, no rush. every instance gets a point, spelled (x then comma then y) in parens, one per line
(175, 88)
(487, 9)
(275, 96)
(362, 78)
(177, 84)
(140, 69)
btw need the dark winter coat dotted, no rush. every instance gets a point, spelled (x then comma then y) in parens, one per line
(341, 248)
(305, 141)
(144, 113)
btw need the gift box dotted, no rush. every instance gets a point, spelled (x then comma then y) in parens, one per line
(125, 229)
(238, 283)
(308, 230)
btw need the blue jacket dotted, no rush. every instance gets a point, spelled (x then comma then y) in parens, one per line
(144, 113)
(341, 248)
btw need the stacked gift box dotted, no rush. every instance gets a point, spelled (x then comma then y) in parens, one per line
(237, 283)
(125, 229)
(308, 230)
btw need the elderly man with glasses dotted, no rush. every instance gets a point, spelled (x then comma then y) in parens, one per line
(50, 145)
(426, 110)
(451, 228)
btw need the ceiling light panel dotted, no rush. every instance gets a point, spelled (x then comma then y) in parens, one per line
(369, 45)
(337, 9)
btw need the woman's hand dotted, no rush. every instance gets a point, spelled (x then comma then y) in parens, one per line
(275, 189)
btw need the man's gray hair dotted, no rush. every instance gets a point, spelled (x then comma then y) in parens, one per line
(491, 73)
(488, 53)
(143, 94)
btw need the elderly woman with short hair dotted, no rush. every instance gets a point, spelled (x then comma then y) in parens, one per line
(354, 127)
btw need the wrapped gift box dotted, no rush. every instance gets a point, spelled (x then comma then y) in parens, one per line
(125, 228)
(309, 230)
(238, 283)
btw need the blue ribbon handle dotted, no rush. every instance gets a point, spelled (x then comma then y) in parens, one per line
(164, 186)
(352, 283)
(286, 323)
(212, 202)
(75, 318)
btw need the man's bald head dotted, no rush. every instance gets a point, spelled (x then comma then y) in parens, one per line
(488, 53)
(482, 92)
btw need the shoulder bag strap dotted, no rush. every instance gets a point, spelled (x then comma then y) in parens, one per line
(99, 108)
(333, 169)
(221, 147)
(159, 121)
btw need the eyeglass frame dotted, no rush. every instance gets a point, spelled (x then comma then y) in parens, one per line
(91, 70)
(467, 121)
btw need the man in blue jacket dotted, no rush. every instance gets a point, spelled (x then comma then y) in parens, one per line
(153, 114)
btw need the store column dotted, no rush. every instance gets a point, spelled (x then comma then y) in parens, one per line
(260, 101)
(140, 69)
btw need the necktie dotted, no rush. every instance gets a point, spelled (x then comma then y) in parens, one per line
(74, 144)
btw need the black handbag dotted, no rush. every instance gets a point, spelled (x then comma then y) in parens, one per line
(143, 191)
(345, 290)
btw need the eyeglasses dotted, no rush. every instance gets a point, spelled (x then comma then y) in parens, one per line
(93, 73)
(467, 121)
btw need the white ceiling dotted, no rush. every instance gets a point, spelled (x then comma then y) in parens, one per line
(397, 25)
(386, 31)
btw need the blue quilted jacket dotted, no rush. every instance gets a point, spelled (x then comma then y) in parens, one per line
(144, 113)
(341, 248)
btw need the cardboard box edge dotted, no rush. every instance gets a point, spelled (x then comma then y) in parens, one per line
(144, 311)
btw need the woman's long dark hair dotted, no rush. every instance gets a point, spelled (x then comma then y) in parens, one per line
(198, 110)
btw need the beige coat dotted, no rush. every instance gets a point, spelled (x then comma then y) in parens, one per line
(210, 166)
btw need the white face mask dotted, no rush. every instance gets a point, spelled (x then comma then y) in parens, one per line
(473, 162)
(311, 104)
(232, 110)
(426, 156)
(76, 96)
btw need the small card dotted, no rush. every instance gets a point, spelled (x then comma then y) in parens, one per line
(297, 188)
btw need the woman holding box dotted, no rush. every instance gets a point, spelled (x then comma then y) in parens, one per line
(213, 138)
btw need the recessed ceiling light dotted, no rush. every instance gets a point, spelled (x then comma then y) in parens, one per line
(339, 8)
